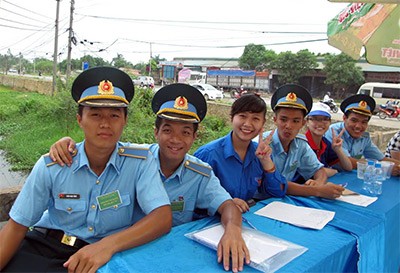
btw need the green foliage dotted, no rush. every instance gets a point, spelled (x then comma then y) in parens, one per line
(253, 56)
(293, 66)
(32, 122)
(341, 72)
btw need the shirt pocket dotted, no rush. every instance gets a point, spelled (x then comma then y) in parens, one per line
(70, 212)
(118, 216)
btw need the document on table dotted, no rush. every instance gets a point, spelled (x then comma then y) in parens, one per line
(296, 215)
(358, 199)
(267, 253)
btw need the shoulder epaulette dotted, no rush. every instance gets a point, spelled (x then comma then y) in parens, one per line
(136, 152)
(199, 168)
(301, 136)
(49, 162)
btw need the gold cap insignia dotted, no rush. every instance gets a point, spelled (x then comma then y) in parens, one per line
(181, 103)
(105, 88)
(291, 97)
(363, 104)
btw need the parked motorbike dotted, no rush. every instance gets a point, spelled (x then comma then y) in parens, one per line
(332, 105)
(384, 112)
(235, 94)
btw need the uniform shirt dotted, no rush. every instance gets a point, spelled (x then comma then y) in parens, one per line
(300, 158)
(394, 144)
(356, 147)
(136, 180)
(240, 178)
(325, 154)
(192, 185)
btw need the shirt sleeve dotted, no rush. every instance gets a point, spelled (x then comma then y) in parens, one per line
(309, 163)
(272, 184)
(151, 193)
(212, 194)
(34, 197)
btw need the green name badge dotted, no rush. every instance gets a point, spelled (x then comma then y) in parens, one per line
(109, 200)
(177, 205)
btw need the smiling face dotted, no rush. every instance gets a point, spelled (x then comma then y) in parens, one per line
(247, 125)
(289, 122)
(318, 125)
(355, 124)
(102, 127)
(175, 139)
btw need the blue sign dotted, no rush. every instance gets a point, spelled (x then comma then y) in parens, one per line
(85, 66)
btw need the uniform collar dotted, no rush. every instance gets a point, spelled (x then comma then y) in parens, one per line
(83, 161)
(314, 146)
(155, 149)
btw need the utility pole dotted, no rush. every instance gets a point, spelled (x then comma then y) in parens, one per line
(150, 61)
(55, 50)
(71, 15)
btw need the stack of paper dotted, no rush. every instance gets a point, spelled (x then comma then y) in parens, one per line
(296, 215)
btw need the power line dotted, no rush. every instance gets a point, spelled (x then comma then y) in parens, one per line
(5, 1)
(16, 13)
(17, 22)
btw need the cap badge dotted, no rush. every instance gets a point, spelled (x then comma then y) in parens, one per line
(105, 88)
(291, 97)
(363, 104)
(181, 103)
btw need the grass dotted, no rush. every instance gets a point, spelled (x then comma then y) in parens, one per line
(30, 123)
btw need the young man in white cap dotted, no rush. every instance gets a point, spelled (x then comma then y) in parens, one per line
(357, 143)
(82, 215)
(328, 153)
(190, 183)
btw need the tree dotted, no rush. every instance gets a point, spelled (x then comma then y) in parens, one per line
(253, 56)
(120, 61)
(342, 73)
(292, 66)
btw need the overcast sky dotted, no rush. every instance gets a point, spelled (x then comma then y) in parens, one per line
(206, 28)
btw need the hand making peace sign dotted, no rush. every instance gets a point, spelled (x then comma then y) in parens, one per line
(337, 141)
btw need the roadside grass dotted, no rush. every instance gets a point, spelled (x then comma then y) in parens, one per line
(30, 123)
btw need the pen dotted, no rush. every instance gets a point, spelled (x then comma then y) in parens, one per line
(248, 222)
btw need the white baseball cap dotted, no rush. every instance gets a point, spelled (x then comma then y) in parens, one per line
(319, 109)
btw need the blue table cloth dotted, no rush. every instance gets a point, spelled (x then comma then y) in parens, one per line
(363, 239)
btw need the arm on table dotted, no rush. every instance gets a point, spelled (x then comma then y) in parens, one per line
(327, 190)
(232, 244)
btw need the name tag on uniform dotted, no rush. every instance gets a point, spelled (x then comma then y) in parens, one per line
(178, 205)
(109, 200)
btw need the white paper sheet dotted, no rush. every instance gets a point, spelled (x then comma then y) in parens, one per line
(260, 247)
(358, 200)
(296, 215)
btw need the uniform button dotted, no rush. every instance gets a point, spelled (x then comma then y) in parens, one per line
(93, 206)
(98, 182)
(115, 206)
(90, 228)
(69, 209)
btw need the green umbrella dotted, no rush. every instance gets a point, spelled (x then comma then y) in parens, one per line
(373, 26)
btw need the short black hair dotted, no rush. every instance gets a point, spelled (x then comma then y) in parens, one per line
(276, 110)
(249, 103)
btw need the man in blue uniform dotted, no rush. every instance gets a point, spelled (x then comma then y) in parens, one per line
(82, 215)
(357, 143)
(290, 151)
(190, 183)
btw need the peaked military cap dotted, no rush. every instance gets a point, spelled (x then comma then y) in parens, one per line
(292, 96)
(180, 102)
(103, 87)
(360, 104)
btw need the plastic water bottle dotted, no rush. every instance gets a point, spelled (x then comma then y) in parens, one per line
(379, 177)
(369, 174)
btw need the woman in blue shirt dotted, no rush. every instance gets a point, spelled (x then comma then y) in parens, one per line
(242, 165)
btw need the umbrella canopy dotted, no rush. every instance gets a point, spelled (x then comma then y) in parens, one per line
(373, 26)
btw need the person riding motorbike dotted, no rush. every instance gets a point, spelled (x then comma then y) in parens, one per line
(327, 98)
